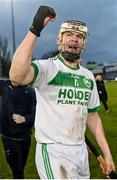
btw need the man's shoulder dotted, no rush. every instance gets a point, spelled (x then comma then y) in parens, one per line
(86, 70)
(49, 60)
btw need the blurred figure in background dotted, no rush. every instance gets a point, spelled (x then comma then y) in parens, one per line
(102, 92)
(16, 119)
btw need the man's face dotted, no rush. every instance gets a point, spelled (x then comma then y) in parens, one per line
(72, 42)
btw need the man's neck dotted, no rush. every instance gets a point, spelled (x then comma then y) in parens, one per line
(71, 64)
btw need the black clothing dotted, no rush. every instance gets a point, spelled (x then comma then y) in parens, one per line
(16, 137)
(16, 152)
(102, 93)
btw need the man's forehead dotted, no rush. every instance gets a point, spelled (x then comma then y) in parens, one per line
(74, 32)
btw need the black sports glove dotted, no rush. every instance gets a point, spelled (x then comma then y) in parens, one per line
(38, 20)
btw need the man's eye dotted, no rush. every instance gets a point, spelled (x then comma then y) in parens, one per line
(80, 36)
(68, 34)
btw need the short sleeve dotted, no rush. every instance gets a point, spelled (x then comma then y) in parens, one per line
(44, 71)
(94, 102)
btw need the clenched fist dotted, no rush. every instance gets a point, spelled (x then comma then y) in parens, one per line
(42, 17)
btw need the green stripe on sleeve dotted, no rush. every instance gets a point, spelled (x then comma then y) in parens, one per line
(36, 71)
(96, 109)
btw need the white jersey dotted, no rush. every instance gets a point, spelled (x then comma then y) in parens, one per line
(64, 97)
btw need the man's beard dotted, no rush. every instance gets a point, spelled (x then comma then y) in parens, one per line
(69, 56)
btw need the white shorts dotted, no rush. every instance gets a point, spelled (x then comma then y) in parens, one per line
(57, 161)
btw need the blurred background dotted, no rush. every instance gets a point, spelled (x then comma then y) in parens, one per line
(100, 55)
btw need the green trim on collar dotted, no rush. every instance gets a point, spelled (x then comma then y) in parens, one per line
(62, 60)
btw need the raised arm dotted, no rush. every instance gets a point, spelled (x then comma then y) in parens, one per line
(21, 71)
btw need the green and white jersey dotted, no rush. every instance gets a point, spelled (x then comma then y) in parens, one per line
(64, 98)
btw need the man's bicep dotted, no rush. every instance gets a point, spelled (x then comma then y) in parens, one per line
(29, 78)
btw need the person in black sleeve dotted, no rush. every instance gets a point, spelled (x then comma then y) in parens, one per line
(16, 119)
(102, 92)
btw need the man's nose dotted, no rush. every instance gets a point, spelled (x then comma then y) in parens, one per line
(75, 37)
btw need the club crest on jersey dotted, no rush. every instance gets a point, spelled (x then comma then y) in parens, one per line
(87, 82)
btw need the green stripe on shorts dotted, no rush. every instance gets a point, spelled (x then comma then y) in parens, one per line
(46, 161)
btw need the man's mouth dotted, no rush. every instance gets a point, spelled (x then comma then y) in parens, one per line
(73, 46)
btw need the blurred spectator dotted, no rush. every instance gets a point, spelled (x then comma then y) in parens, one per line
(102, 92)
(16, 119)
(116, 78)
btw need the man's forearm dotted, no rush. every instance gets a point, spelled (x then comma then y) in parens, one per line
(95, 125)
(21, 64)
(102, 142)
